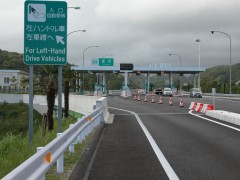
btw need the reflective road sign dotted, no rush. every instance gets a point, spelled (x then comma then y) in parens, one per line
(45, 32)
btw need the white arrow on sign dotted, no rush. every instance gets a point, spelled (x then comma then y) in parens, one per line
(60, 39)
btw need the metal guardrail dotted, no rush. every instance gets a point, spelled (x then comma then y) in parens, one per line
(37, 165)
(223, 95)
(217, 95)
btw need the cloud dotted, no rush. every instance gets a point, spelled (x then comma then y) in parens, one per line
(141, 32)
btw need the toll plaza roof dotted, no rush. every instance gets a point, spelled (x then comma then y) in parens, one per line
(162, 70)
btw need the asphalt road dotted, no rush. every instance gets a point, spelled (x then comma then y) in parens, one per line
(174, 145)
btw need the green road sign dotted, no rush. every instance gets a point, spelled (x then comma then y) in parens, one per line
(45, 32)
(105, 62)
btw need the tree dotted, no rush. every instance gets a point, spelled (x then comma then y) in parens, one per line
(51, 94)
(13, 82)
(24, 82)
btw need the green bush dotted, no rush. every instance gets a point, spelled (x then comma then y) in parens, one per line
(14, 118)
(14, 140)
(15, 149)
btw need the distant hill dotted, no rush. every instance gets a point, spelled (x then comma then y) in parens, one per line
(222, 73)
(11, 60)
(217, 76)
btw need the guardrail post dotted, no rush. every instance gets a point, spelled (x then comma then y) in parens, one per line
(80, 138)
(88, 129)
(71, 147)
(84, 134)
(60, 161)
(38, 149)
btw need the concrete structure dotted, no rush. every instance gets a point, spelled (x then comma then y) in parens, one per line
(78, 103)
(208, 109)
(226, 116)
(156, 69)
(13, 79)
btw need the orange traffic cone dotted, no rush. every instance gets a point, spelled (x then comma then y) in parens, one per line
(170, 103)
(145, 99)
(153, 100)
(135, 97)
(139, 99)
(160, 100)
(181, 103)
(125, 95)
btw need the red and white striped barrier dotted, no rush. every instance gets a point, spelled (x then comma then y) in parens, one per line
(208, 109)
(200, 107)
(193, 105)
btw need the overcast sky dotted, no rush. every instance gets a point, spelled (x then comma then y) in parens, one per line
(140, 31)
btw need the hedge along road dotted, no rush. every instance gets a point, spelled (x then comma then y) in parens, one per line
(187, 146)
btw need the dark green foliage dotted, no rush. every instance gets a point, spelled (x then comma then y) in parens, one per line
(10, 60)
(219, 77)
(14, 118)
(115, 81)
(14, 145)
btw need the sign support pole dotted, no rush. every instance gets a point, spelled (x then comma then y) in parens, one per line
(148, 81)
(30, 104)
(30, 108)
(59, 99)
(213, 94)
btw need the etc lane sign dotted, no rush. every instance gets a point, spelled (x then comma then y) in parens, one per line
(45, 33)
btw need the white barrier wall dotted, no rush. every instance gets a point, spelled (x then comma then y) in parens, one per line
(208, 109)
(103, 102)
(78, 103)
(11, 98)
(16, 98)
(226, 116)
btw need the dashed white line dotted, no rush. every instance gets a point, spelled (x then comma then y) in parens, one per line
(163, 161)
(146, 114)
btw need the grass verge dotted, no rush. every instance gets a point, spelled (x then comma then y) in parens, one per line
(15, 149)
(70, 160)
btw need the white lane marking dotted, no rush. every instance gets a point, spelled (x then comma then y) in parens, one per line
(231, 127)
(146, 114)
(163, 161)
